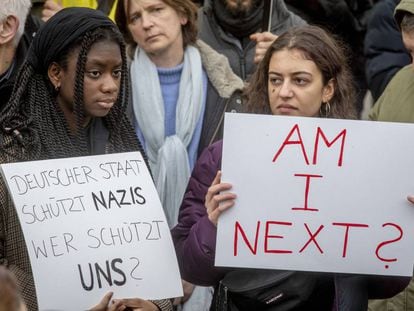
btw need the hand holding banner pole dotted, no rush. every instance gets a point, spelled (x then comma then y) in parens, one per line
(267, 15)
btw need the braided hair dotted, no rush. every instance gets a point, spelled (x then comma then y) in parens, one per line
(33, 125)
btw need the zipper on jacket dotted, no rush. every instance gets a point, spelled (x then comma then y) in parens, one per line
(243, 56)
(238, 99)
(243, 66)
(219, 124)
(221, 301)
(217, 129)
(225, 298)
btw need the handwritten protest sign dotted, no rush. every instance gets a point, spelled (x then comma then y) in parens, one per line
(318, 195)
(93, 224)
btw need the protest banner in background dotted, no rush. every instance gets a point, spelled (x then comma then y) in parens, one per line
(318, 194)
(93, 224)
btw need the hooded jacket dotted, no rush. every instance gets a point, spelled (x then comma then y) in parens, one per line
(395, 103)
(403, 6)
(241, 58)
(383, 47)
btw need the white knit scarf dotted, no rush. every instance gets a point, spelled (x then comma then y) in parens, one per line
(168, 157)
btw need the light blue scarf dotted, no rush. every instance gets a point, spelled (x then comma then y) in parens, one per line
(168, 157)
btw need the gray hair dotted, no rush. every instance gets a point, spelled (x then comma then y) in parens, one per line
(18, 8)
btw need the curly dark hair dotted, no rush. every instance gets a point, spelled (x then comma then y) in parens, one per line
(326, 52)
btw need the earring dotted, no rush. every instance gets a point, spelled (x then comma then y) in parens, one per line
(57, 88)
(325, 110)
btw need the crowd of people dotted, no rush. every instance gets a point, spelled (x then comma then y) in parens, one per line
(157, 76)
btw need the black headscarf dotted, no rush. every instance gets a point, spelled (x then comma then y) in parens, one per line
(32, 126)
(60, 31)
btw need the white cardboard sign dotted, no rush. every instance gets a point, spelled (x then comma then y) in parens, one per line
(318, 194)
(93, 224)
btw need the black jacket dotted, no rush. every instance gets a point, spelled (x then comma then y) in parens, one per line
(383, 47)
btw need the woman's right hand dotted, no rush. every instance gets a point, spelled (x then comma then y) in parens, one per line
(217, 202)
(137, 304)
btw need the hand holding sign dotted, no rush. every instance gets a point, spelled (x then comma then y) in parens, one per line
(217, 201)
(106, 305)
(410, 198)
(137, 304)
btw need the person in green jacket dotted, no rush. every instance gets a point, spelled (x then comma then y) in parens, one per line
(396, 105)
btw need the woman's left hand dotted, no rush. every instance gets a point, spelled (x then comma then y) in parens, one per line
(217, 200)
(104, 304)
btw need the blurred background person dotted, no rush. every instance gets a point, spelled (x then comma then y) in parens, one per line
(17, 30)
(395, 103)
(236, 30)
(50, 7)
(384, 49)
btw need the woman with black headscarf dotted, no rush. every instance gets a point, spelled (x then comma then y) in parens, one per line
(69, 100)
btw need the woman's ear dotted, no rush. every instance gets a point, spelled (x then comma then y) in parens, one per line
(183, 20)
(54, 72)
(328, 91)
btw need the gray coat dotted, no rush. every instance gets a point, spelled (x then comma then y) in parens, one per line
(241, 58)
